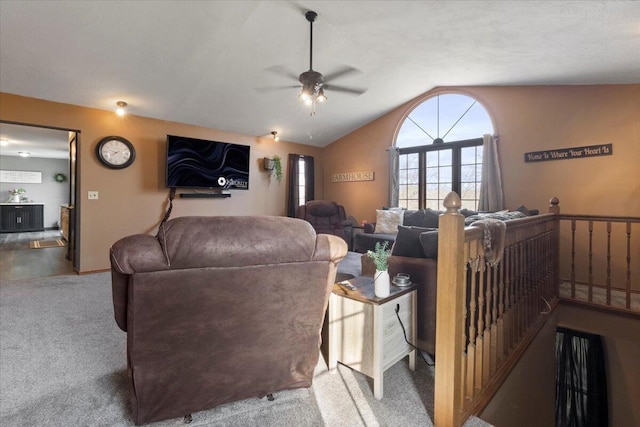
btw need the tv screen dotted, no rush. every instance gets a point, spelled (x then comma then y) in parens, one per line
(197, 163)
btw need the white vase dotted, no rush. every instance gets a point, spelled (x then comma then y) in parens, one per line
(382, 284)
(15, 198)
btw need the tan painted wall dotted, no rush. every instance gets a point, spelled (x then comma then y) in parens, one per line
(527, 118)
(134, 200)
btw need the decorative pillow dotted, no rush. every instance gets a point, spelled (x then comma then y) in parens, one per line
(408, 241)
(524, 210)
(387, 221)
(429, 241)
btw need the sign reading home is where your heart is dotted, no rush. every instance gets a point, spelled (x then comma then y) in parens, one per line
(569, 153)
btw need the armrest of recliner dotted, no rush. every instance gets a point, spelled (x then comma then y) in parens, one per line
(370, 227)
(138, 253)
(330, 247)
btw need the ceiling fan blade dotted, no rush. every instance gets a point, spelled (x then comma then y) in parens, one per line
(346, 70)
(267, 89)
(282, 71)
(349, 90)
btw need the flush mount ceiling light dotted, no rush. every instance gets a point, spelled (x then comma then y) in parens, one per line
(4, 142)
(122, 108)
(275, 136)
(24, 153)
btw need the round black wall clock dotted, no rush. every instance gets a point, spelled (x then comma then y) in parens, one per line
(115, 152)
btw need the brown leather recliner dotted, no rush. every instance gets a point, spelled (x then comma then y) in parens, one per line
(326, 217)
(219, 309)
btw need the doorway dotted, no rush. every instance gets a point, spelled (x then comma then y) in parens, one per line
(38, 237)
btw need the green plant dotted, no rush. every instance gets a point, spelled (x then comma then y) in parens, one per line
(277, 167)
(380, 256)
(17, 191)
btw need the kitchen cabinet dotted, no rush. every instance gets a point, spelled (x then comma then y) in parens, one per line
(21, 217)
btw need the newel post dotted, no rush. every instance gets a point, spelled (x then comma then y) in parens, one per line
(449, 316)
(554, 208)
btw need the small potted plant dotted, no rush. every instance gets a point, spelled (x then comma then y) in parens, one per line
(380, 256)
(16, 195)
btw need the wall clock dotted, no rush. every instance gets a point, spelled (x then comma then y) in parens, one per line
(115, 152)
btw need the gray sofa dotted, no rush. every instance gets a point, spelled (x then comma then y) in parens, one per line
(426, 218)
(219, 309)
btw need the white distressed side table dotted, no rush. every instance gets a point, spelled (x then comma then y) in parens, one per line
(364, 332)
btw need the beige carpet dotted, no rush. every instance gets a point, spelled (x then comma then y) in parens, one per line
(40, 244)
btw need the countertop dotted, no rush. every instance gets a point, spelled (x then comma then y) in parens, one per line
(20, 203)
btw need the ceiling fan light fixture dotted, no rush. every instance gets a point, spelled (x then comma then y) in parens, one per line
(275, 136)
(321, 97)
(304, 95)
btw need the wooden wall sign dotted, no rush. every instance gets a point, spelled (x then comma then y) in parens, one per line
(569, 153)
(352, 176)
(22, 177)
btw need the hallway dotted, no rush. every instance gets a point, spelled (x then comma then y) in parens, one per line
(18, 261)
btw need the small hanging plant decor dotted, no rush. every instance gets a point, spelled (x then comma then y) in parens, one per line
(277, 167)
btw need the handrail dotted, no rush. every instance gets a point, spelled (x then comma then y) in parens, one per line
(488, 313)
(632, 219)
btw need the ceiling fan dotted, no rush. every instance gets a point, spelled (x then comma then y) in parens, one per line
(313, 82)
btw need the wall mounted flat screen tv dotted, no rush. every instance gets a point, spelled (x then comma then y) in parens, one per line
(198, 163)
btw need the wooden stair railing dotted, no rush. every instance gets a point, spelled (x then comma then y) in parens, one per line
(488, 314)
(601, 262)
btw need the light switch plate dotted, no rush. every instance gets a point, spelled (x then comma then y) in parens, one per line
(93, 195)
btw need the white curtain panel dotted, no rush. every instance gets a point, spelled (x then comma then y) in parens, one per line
(394, 188)
(491, 195)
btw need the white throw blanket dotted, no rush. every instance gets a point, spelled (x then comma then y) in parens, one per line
(494, 234)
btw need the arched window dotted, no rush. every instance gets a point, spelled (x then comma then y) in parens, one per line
(440, 150)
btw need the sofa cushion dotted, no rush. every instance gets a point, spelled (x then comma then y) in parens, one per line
(427, 218)
(414, 218)
(431, 218)
(528, 212)
(364, 242)
(408, 241)
(429, 242)
(387, 221)
(468, 212)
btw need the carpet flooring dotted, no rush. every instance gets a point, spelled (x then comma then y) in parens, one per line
(63, 363)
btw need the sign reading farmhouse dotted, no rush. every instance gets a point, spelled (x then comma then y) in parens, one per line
(569, 153)
(352, 176)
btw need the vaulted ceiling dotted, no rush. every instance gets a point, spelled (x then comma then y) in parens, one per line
(213, 63)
